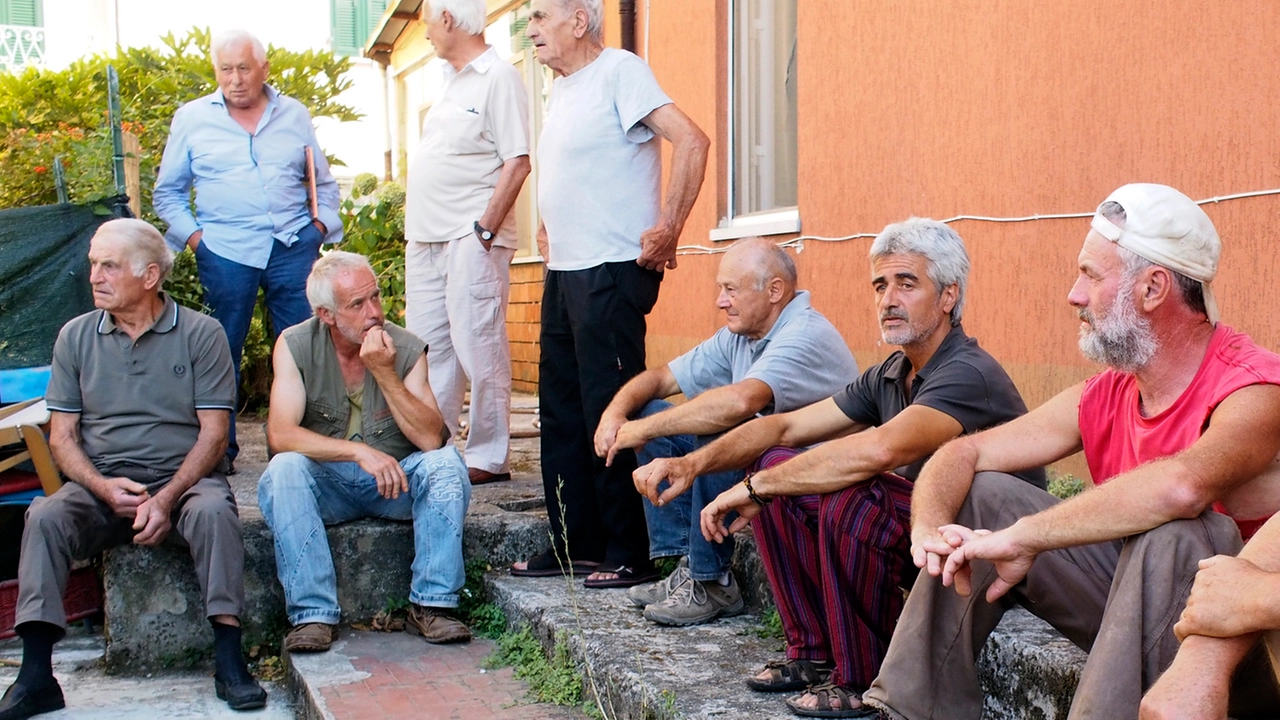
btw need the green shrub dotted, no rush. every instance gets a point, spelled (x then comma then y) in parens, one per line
(46, 114)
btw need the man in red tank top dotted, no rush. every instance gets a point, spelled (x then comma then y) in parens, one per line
(1180, 433)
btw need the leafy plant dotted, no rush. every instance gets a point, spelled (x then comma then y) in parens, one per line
(474, 606)
(1064, 485)
(373, 226)
(554, 680)
(47, 114)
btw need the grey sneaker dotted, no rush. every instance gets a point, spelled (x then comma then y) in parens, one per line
(650, 593)
(693, 602)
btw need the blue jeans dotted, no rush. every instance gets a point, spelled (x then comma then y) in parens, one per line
(231, 292)
(299, 496)
(676, 528)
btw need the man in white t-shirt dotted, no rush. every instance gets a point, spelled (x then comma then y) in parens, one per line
(463, 179)
(607, 235)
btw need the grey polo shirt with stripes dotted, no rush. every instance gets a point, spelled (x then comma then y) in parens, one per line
(137, 400)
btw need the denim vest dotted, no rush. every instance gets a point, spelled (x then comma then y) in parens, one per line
(327, 408)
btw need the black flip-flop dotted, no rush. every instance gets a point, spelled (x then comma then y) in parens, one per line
(627, 577)
(547, 564)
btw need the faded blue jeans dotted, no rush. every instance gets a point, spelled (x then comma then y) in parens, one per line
(676, 528)
(300, 496)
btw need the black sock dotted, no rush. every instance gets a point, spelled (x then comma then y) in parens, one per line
(227, 656)
(37, 654)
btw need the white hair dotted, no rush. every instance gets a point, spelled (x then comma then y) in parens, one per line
(469, 15)
(595, 16)
(228, 38)
(145, 245)
(329, 266)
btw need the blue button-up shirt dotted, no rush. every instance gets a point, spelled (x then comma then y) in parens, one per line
(249, 187)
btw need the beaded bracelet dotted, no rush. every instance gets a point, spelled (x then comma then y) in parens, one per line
(752, 493)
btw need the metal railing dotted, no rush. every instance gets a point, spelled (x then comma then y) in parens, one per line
(21, 47)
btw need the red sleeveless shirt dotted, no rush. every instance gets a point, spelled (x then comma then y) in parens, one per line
(1116, 436)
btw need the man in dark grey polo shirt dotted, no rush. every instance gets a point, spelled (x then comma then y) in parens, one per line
(836, 543)
(139, 396)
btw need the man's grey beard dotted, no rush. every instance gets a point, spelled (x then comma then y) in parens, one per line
(1122, 339)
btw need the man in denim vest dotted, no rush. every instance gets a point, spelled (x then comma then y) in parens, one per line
(357, 433)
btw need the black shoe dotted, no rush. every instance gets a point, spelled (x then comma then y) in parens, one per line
(19, 703)
(241, 694)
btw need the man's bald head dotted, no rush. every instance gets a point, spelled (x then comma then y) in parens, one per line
(757, 280)
(766, 259)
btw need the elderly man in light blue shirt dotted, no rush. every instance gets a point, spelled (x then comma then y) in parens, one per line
(243, 149)
(775, 354)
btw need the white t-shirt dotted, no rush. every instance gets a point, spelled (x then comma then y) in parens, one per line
(480, 122)
(599, 167)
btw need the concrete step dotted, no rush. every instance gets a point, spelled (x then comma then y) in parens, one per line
(393, 676)
(92, 694)
(649, 671)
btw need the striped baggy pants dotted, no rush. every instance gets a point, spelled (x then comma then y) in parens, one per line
(837, 564)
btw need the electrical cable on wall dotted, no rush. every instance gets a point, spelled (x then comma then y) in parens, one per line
(798, 242)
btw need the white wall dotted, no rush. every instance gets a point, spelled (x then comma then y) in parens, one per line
(74, 28)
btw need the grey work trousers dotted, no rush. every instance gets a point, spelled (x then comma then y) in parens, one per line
(1117, 600)
(73, 524)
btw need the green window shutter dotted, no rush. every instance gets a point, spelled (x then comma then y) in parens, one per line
(352, 23)
(28, 13)
(344, 26)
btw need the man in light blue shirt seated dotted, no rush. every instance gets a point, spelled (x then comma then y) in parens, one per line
(775, 354)
(243, 149)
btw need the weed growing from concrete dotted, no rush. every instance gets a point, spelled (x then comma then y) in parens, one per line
(571, 587)
(474, 606)
(554, 680)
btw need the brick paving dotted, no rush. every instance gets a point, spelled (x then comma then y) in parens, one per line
(397, 675)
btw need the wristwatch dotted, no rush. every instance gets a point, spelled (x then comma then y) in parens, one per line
(483, 234)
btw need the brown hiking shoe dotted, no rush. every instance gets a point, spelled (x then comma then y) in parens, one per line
(435, 625)
(310, 638)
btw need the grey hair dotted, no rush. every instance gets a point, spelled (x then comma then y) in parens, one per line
(595, 16)
(146, 245)
(469, 15)
(227, 38)
(946, 260)
(329, 266)
(1190, 289)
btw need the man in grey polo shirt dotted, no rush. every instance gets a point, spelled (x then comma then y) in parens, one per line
(463, 180)
(775, 354)
(139, 396)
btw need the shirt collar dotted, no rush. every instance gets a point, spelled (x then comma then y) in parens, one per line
(899, 366)
(167, 321)
(798, 304)
(481, 64)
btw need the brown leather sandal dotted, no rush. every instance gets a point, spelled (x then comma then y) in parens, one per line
(824, 709)
(791, 675)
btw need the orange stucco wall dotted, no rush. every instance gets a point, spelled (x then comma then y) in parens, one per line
(1001, 108)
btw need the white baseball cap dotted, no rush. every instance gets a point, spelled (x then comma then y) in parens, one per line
(1169, 229)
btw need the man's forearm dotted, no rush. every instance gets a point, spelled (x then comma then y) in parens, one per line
(76, 466)
(510, 180)
(320, 448)
(943, 485)
(740, 447)
(688, 167)
(210, 447)
(833, 466)
(711, 412)
(421, 424)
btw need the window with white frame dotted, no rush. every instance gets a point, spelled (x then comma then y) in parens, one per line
(762, 108)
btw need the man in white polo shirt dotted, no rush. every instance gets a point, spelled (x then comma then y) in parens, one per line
(463, 179)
